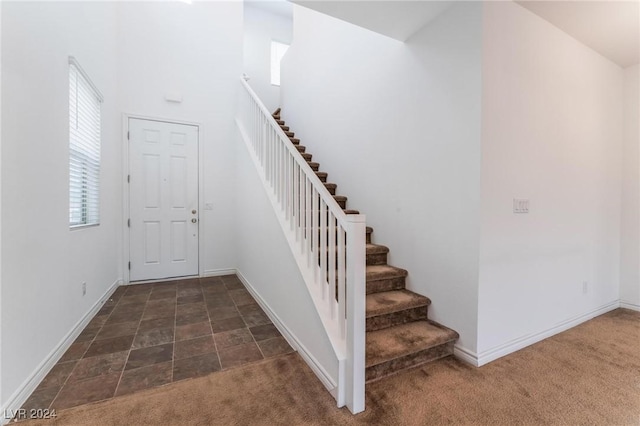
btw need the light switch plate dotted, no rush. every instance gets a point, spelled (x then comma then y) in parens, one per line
(520, 205)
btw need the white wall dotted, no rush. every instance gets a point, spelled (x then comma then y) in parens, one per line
(630, 231)
(267, 264)
(552, 121)
(1, 399)
(43, 271)
(397, 127)
(195, 50)
(260, 27)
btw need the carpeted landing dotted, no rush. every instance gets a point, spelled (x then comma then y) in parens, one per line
(589, 375)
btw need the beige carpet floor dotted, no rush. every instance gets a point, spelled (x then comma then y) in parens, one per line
(589, 375)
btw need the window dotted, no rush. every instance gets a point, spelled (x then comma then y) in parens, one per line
(84, 148)
(277, 52)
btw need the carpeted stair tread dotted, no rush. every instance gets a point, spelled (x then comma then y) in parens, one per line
(294, 141)
(289, 134)
(378, 249)
(314, 166)
(331, 187)
(301, 148)
(341, 200)
(387, 302)
(283, 127)
(402, 340)
(350, 211)
(377, 255)
(306, 156)
(383, 272)
(322, 176)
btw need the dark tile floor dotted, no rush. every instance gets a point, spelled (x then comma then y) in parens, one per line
(148, 335)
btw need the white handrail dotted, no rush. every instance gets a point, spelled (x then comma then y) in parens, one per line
(327, 244)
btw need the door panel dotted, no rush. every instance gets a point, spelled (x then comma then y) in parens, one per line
(163, 199)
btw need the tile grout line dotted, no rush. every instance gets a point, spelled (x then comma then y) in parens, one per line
(175, 329)
(248, 328)
(131, 347)
(215, 344)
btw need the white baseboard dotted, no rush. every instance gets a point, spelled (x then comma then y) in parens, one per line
(630, 305)
(522, 342)
(465, 355)
(328, 382)
(218, 272)
(21, 395)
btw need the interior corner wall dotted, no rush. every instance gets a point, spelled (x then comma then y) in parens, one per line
(552, 121)
(268, 266)
(42, 274)
(194, 50)
(630, 227)
(260, 28)
(397, 127)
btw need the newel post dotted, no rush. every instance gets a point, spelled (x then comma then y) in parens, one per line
(355, 306)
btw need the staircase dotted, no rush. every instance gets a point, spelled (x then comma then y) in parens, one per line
(399, 334)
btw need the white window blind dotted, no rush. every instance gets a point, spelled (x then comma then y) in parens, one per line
(84, 148)
(277, 52)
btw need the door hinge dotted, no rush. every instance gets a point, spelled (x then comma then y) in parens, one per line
(129, 265)
(128, 137)
(128, 178)
(129, 223)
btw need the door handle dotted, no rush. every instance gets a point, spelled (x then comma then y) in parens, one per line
(193, 212)
(194, 220)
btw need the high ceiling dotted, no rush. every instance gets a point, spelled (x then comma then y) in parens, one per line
(398, 19)
(610, 27)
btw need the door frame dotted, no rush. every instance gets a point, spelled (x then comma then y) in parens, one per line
(126, 250)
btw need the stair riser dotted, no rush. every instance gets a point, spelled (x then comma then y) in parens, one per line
(314, 166)
(384, 369)
(396, 318)
(322, 177)
(342, 204)
(388, 284)
(377, 259)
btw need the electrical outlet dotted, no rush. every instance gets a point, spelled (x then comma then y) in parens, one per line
(585, 287)
(84, 288)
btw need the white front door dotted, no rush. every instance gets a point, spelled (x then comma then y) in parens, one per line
(163, 199)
